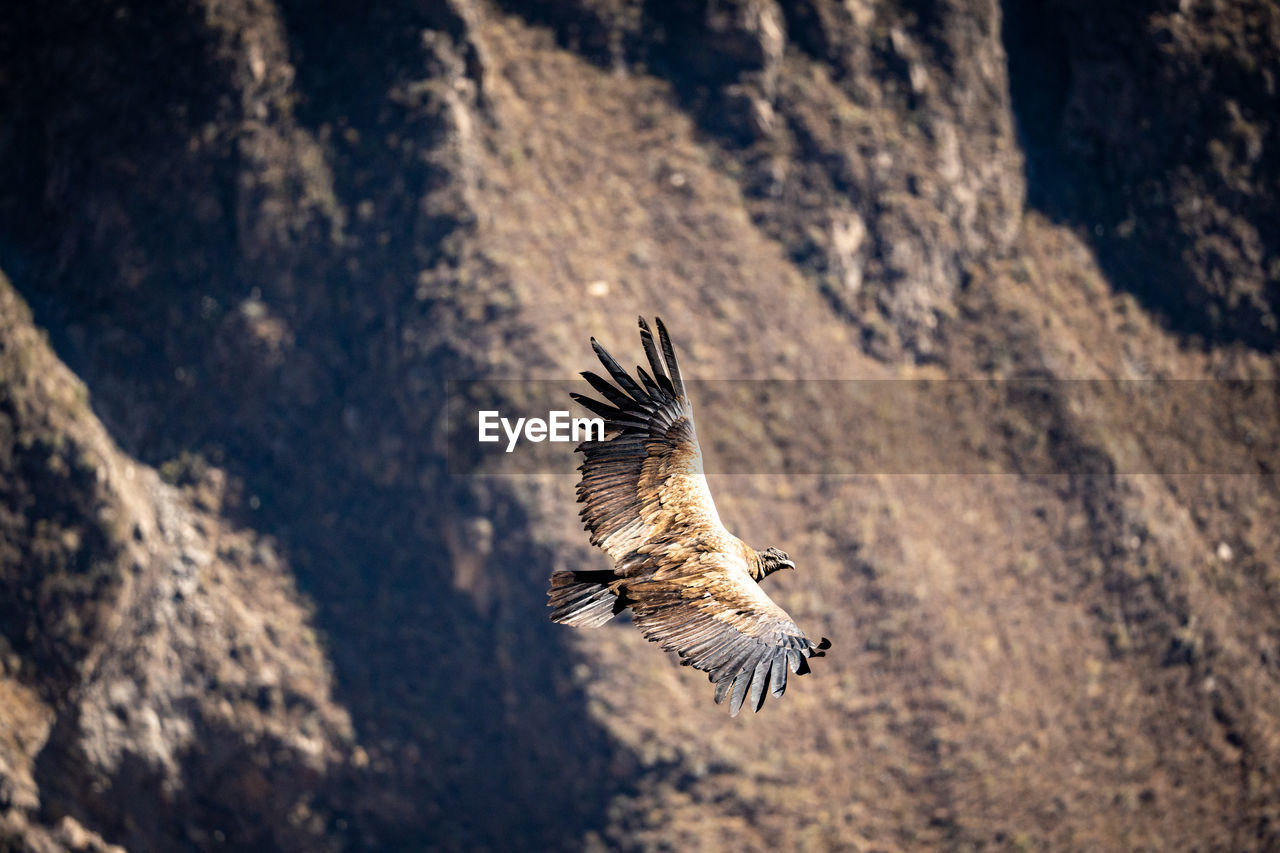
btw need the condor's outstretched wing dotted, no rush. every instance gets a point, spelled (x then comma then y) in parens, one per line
(646, 503)
(706, 608)
(649, 417)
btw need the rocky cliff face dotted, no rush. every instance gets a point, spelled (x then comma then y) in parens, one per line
(243, 603)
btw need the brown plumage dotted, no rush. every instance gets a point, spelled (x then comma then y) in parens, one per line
(692, 586)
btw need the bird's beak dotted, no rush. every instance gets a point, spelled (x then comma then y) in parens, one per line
(786, 564)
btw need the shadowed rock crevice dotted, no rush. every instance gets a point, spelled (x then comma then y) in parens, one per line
(1143, 128)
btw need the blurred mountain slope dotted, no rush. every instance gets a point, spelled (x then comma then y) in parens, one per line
(155, 655)
(264, 234)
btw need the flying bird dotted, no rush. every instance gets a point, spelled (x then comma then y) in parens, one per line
(691, 585)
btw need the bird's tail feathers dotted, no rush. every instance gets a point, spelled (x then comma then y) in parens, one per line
(583, 599)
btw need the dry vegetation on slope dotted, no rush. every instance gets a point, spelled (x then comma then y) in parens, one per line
(243, 602)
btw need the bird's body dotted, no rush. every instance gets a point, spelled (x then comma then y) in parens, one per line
(692, 586)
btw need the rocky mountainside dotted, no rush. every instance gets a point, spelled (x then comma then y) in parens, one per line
(244, 604)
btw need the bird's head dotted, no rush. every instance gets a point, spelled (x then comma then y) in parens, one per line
(772, 559)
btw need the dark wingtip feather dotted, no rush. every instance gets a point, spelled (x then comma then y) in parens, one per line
(740, 683)
(824, 644)
(669, 353)
(625, 382)
(794, 660)
(599, 408)
(613, 395)
(655, 360)
(778, 675)
(759, 680)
